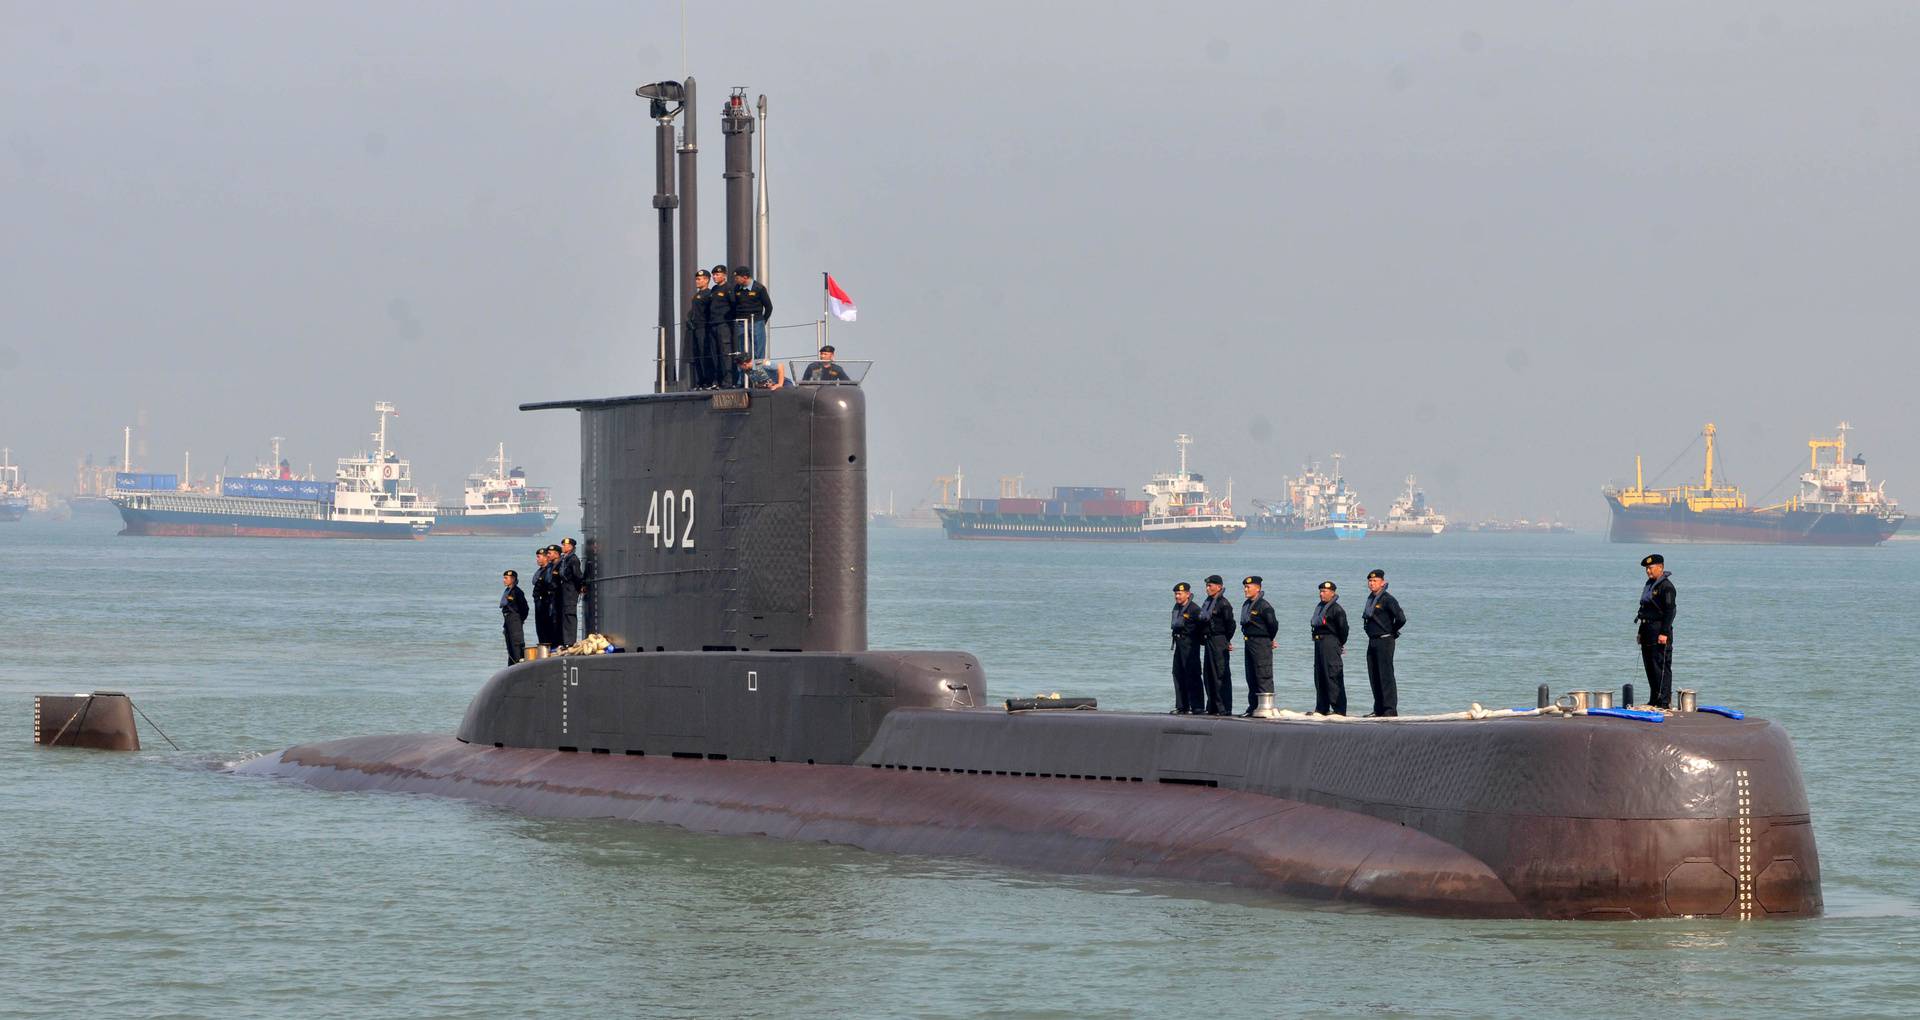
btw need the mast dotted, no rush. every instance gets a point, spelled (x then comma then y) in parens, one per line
(736, 127)
(1638, 484)
(501, 460)
(126, 448)
(380, 438)
(762, 248)
(1709, 476)
(689, 154)
(1181, 441)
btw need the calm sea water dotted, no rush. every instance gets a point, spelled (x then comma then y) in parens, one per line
(157, 884)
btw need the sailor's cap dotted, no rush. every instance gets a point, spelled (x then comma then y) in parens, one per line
(1652, 559)
(1376, 572)
(1252, 579)
(1183, 586)
(1214, 579)
(1329, 586)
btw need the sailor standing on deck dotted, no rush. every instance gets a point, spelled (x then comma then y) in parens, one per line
(720, 329)
(542, 594)
(1329, 625)
(571, 580)
(513, 616)
(1217, 617)
(1383, 619)
(1188, 634)
(751, 306)
(699, 332)
(1659, 602)
(1258, 625)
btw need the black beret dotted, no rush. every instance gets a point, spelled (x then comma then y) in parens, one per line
(700, 272)
(1653, 559)
(1329, 586)
(721, 269)
(742, 271)
(1253, 579)
(1183, 586)
(1214, 579)
(1376, 572)
(826, 348)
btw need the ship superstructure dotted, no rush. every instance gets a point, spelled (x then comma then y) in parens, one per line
(1317, 505)
(371, 496)
(1411, 516)
(1837, 504)
(1180, 508)
(13, 496)
(498, 502)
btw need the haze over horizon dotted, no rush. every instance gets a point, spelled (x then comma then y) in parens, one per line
(1504, 247)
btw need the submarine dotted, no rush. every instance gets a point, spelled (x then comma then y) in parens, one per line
(725, 537)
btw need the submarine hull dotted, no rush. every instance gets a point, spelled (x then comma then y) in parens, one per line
(1537, 817)
(1057, 825)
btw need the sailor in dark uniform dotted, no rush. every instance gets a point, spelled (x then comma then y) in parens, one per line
(542, 594)
(1216, 617)
(1329, 625)
(513, 616)
(1188, 634)
(720, 329)
(750, 302)
(571, 579)
(1383, 618)
(1258, 625)
(553, 596)
(1658, 604)
(698, 334)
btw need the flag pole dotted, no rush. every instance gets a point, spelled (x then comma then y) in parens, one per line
(824, 316)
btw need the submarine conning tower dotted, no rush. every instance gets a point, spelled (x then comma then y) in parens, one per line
(729, 520)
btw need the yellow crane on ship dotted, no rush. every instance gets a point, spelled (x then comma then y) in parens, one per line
(1704, 496)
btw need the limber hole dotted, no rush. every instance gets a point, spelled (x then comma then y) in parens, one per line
(715, 757)
(687, 754)
(1171, 781)
(637, 754)
(569, 750)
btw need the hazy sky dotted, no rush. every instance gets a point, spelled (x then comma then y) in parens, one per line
(1503, 246)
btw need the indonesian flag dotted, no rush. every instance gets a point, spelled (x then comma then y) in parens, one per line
(839, 303)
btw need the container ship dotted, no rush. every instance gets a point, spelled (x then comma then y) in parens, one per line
(1836, 505)
(1411, 516)
(498, 503)
(1178, 509)
(1317, 506)
(371, 496)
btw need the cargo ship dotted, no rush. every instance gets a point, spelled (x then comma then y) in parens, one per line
(1836, 505)
(371, 496)
(1411, 516)
(13, 496)
(1318, 505)
(1178, 508)
(498, 503)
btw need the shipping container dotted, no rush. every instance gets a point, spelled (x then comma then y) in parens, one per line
(144, 481)
(1056, 507)
(979, 506)
(275, 488)
(1113, 507)
(1082, 493)
(1023, 506)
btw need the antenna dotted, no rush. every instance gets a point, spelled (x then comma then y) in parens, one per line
(1183, 441)
(762, 227)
